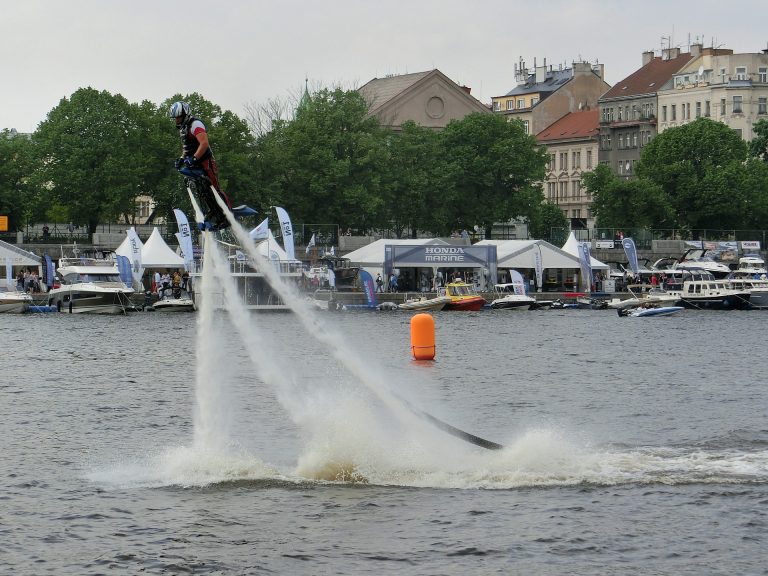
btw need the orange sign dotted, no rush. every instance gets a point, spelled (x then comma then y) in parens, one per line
(3, 223)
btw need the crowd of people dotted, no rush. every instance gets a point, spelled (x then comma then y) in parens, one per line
(167, 283)
(28, 281)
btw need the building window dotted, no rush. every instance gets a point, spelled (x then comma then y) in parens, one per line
(621, 141)
(762, 75)
(741, 73)
(551, 162)
(621, 167)
(619, 113)
(706, 108)
(563, 161)
(496, 106)
(634, 140)
(722, 107)
(608, 142)
(534, 101)
(674, 112)
(589, 159)
(737, 104)
(520, 103)
(575, 187)
(698, 109)
(510, 104)
(663, 113)
(738, 132)
(563, 190)
(576, 160)
(761, 105)
(688, 111)
(527, 126)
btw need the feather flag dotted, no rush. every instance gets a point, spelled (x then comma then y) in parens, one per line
(538, 266)
(631, 252)
(134, 243)
(287, 230)
(310, 243)
(184, 236)
(585, 259)
(261, 231)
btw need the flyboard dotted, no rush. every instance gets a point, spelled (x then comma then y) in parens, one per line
(440, 424)
(209, 213)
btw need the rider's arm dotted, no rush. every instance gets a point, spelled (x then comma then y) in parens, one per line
(202, 144)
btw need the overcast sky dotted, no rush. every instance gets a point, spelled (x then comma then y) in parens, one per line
(236, 52)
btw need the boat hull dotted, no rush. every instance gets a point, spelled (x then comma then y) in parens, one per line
(84, 302)
(429, 304)
(660, 311)
(466, 304)
(730, 302)
(179, 305)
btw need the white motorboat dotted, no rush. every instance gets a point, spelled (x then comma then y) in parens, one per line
(693, 259)
(14, 302)
(175, 301)
(650, 311)
(90, 286)
(512, 296)
(700, 290)
(654, 296)
(433, 304)
(751, 266)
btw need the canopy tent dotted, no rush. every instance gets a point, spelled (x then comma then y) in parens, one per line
(270, 249)
(520, 254)
(11, 256)
(571, 246)
(371, 257)
(156, 254)
(18, 256)
(125, 248)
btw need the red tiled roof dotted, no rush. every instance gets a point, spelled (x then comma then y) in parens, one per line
(576, 125)
(648, 79)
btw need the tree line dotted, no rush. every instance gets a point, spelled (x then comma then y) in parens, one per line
(701, 175)
(96, 153)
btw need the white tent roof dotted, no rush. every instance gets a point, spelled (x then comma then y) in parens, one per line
(18, 256)
(125, 248)
(271, 249)
(572, 247)
(519, 254)
(372, 255)
(156, 254)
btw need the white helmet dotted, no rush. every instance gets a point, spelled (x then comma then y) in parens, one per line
(179, 110)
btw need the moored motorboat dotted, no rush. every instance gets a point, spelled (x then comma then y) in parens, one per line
(700, 291)
(90, 285)
(432, 304)
(14, 302)
(463, 297)
(176, 301)
(512, 296)
(650, 310)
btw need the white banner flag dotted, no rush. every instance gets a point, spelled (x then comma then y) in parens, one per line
(184, 236)
(261, 231)
(287, 230)
(135, 245)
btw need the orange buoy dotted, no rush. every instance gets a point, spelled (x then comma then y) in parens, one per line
(423, 337)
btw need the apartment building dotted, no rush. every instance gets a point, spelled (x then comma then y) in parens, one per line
(717, 84)
(628, 111)
(544, 95)
(572, 144)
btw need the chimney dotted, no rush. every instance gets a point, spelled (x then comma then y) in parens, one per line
(696, 50)
(647, 57)
(580, 68)
(670, 53)
(541, 72)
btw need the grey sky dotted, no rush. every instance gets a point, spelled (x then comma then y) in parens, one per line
(237, 51)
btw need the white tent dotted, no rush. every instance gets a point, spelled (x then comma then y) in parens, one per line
(518, 254)
(270, 249)
(371, 256)
(571, 246)
(18, 256)
(156, 254)
(125, 248)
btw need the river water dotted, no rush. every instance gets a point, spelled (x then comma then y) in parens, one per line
(242, 444)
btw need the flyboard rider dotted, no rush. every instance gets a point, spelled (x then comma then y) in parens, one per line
(195, 149)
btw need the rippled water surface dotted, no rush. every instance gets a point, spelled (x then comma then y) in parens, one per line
(160, 444)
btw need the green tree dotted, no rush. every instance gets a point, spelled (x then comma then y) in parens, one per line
(620, 203)
(325, 165)
(89, 148)
(494, 168)
(698, 167)
(758, 147)
(545, 221)
(413, 181)
(18, 200)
